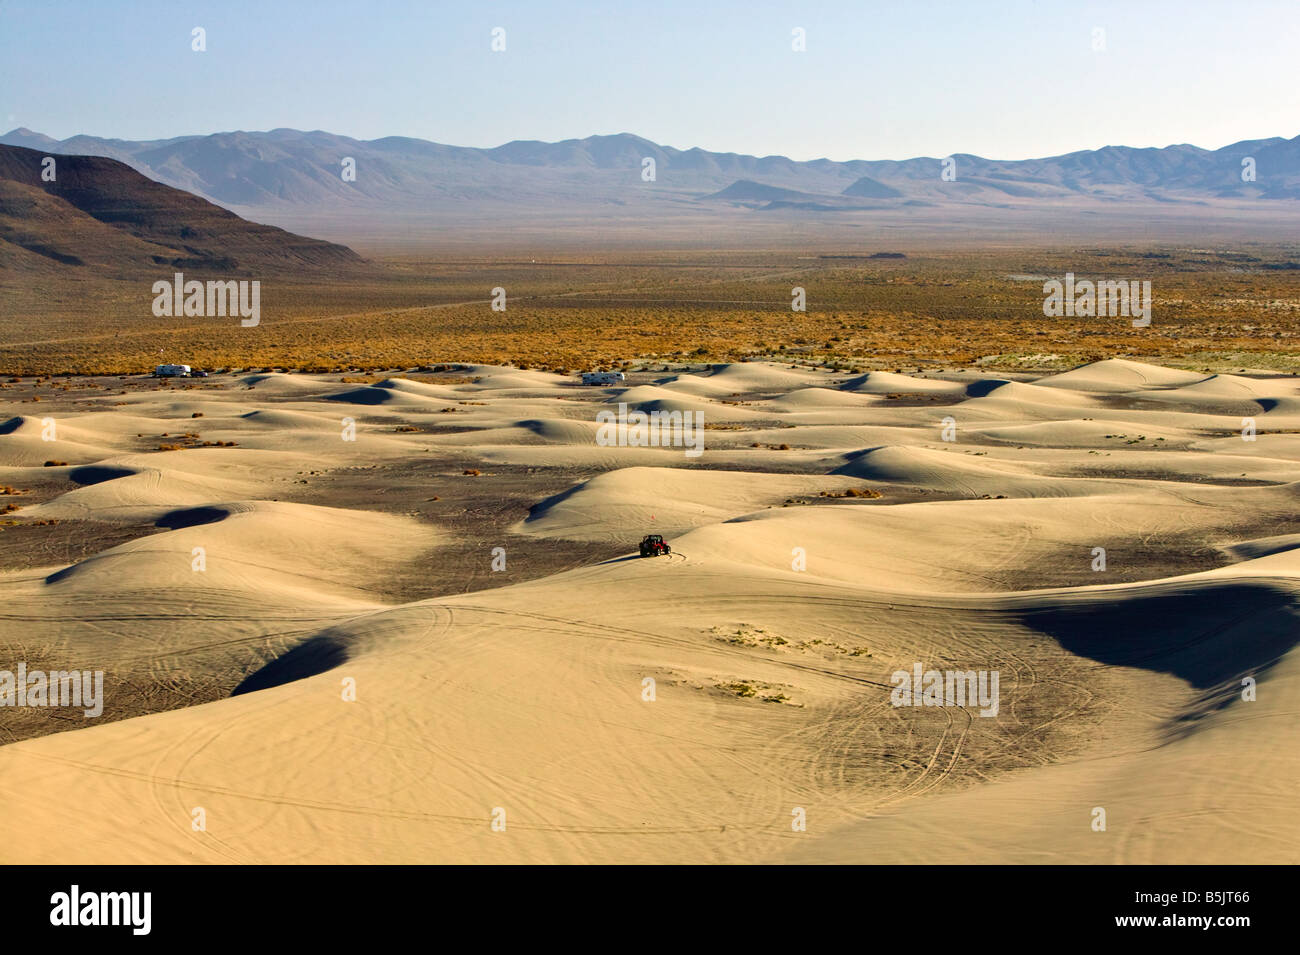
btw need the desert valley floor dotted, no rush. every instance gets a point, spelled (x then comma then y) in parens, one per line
(238, 553)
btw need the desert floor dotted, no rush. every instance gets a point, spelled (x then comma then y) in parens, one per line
(339, 537)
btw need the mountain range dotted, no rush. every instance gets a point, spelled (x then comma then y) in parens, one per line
(297, 179)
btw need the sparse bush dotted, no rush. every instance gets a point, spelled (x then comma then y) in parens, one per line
(863, 492)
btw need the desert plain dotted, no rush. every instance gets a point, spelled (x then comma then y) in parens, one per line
(400, 617)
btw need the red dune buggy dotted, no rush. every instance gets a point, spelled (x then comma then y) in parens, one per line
(652, 545)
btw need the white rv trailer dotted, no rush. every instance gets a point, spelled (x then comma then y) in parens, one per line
(603, 377)
(172, 371)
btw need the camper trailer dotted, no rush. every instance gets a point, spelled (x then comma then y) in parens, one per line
(603, 377)
(172, 371)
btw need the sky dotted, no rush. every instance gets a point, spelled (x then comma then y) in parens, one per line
(1004, 79)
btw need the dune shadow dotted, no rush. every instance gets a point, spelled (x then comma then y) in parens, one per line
(63, 574)
(853, 460)
(1205, 636)
(363, 396)
(542, 506)
(191, 517)
(11, 425)
(316, 655)
(984, 387)
(98, 474)
(854, 455)
(536, 425)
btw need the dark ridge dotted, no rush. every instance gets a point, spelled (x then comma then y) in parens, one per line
(40, 248)
(151, 226)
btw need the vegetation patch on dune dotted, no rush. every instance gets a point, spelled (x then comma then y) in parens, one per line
(749, 635)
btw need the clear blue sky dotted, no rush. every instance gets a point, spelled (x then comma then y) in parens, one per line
(1000, 78)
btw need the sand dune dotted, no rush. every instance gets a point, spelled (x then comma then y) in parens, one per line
(1117, 375)
(275, 383)
(956, 473)
(678, 709)
(1203, 786)
(255, 546)
(700, 386)
(627, 503)
(1027, 399)
(761, 376)
(514, 380)
(817, 399)
(130, 488)
(653, 398)
(886, 382)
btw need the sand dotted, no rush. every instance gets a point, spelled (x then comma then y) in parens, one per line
(728, 703)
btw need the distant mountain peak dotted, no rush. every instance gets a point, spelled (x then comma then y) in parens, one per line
(24, 136)
(868, 188)
(747, 190)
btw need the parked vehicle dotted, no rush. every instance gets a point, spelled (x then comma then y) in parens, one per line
(654, 545)
(603, 377)
(172, 371)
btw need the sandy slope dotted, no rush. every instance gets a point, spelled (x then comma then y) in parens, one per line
(770, 634)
